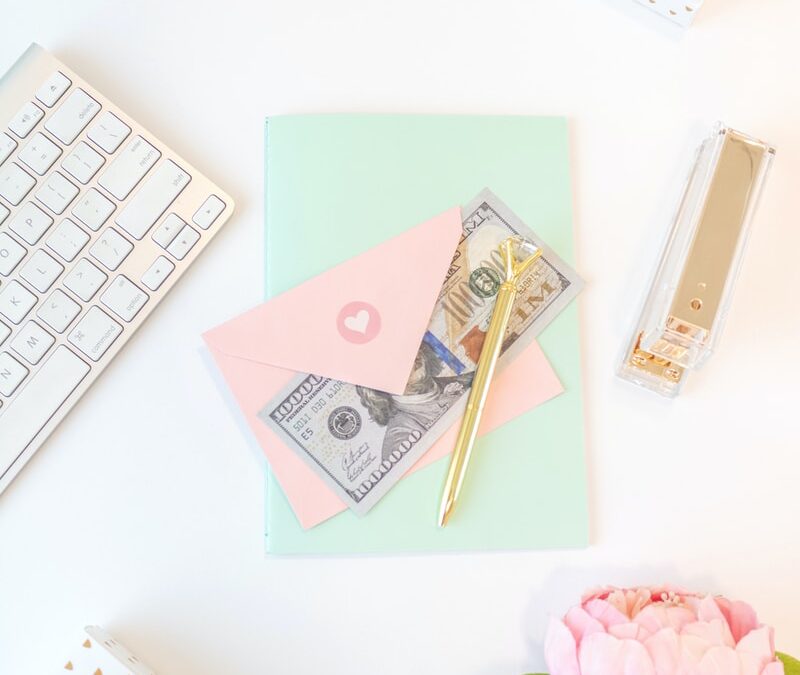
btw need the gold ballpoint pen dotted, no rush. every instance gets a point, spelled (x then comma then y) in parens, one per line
(515, 266)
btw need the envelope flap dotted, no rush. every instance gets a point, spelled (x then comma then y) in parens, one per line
(362, 321)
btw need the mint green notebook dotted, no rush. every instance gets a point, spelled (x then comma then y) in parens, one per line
(337, 185)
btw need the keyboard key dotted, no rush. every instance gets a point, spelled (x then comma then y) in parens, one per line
(32, 342)
(83, 162)
(40, 153)
(111, 249)
(7, 146)
(124, 298)
(152, 199)
(72, 117)
(129, 167)
(67, 240)
(157, 273)
(168, 230)
(183, 243)
(108, 132)
(3, 213)
(12, 372)
(5, 331)
(58, 311)
(41, 398)
(16, 301)
(95, 333)
(15, 183)
(208, 212)
(10, 254)
(28, 117)
(93, 209)
(41, 271)
(57, 193)
(85, 279)
(30, 223)
(53, 88)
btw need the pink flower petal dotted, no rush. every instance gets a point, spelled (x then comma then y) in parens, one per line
(665, 651)
(581, 623)
(708, 610)
(693, 650)
(692, 604)
(560, 650)
(629, 631)
(774, 668)
(603, 654)
(720, 661)
(715, 632)
(605, 613)
(630, 601)
(657, 616)
(756, 650)
(638, 600)
(740, 616)
(601, 592)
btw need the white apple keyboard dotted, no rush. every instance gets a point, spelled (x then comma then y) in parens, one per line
(98, 220)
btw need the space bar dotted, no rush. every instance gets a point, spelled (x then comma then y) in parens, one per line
(37, 403)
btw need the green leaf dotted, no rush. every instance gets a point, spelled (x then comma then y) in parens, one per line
(791, 666)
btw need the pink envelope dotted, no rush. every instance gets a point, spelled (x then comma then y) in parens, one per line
(361, 322)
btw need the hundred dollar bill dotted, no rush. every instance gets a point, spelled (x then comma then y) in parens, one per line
(361, 441)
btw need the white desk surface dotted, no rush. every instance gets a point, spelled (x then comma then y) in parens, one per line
(143, 513)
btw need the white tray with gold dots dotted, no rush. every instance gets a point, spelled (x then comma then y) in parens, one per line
(98, 653)
(680, 11)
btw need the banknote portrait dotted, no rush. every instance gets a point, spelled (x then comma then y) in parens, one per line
(427, 397)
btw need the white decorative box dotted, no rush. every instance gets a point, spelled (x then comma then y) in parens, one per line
(680, 11)
(97, 653)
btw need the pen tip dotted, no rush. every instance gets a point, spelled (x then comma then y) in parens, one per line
(446, 511)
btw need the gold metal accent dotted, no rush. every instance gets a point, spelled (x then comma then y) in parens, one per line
(653, 364)
(700, 290)
(514, 270)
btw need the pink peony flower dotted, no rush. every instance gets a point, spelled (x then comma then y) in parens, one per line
(659, 631)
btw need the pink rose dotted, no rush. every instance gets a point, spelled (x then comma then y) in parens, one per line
(659, 631)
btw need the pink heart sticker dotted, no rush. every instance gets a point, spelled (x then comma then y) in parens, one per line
(358, 322)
